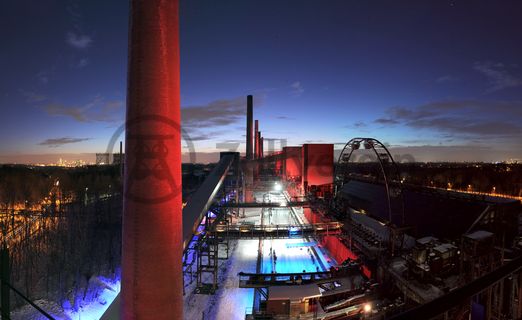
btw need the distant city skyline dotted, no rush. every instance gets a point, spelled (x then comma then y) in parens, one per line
(440, 80)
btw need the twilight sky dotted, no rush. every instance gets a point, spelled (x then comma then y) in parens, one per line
(441, 80)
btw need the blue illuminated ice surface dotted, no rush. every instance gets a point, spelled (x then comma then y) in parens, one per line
(292, 256)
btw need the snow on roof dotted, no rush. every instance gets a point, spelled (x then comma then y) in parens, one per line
(479, 235)
(294, 292)
(426, 240)
(444, 247)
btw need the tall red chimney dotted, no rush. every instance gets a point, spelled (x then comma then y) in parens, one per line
(256, 143)
(152, 280)
(250, 132)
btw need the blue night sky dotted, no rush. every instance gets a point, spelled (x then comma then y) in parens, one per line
(439, 79)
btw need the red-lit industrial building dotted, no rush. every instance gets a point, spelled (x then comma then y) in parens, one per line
(292, 163)
(317, 169)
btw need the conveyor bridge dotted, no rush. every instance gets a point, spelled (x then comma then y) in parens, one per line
(249, 231)
(263, 280)
(265, 204)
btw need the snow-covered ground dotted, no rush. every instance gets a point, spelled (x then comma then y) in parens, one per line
(293, 255)
(229, 302)
(274, 216)
(250, 216)
(99, 295)
(278, 216)
(94, 306)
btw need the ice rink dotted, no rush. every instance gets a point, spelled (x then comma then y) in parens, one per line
(292, 256)
(288, 255)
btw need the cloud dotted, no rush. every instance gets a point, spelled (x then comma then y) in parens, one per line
(97, 110)
(32, 97)
(297, 89)
(216, 113)
(386, 121)
(462, 118)
(498, 75)
(57, 142)
(200, 136)
(78, 41)
(77, 113)
(460, 125)
(284, 118)
(413, 142)
(359, 125)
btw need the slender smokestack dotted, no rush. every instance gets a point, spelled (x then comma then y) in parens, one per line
(259, 144)
(152, 245)
(256, 143)
(261, 148)
(249, 137)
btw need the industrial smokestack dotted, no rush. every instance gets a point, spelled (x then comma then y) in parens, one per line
(258, 134)
(256, 143)
(261, 148)
(250, 129)
(152, 245)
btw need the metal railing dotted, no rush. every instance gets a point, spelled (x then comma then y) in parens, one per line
(275, 231)
(257, 280)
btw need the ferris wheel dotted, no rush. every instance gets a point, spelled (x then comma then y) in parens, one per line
(376, 152)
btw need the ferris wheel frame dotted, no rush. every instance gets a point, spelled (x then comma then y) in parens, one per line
(369, 144)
